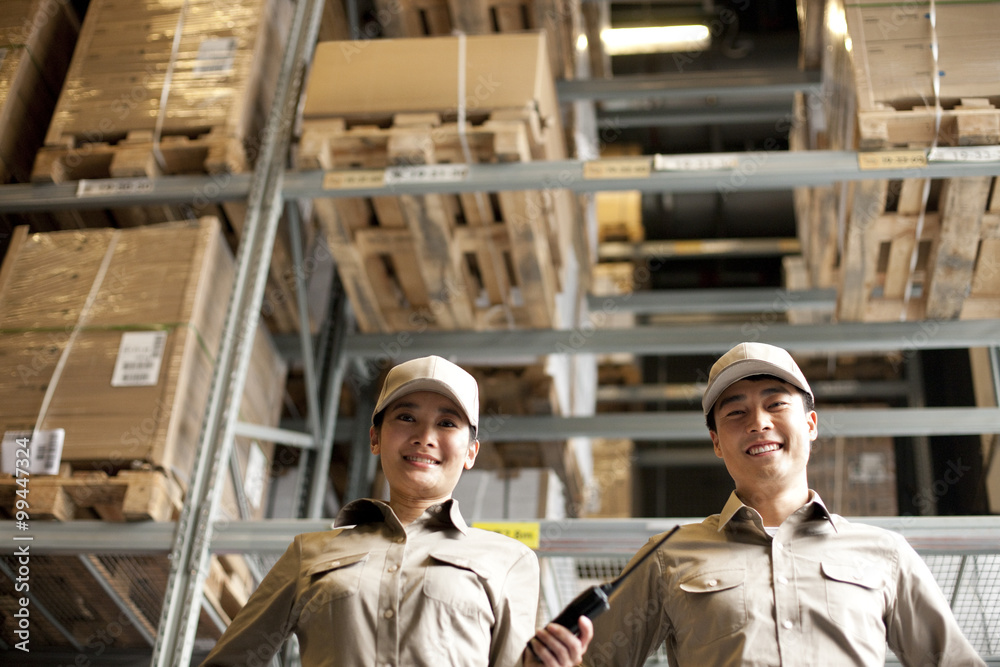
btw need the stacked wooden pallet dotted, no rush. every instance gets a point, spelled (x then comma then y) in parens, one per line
(482, 260)
(914, 248)
(560, 19)
(164, 88)
(524, 390)
(108, 339)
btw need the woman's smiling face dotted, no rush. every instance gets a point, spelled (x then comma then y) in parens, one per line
(424, 443)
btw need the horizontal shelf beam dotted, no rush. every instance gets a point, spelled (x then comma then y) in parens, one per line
(558, 537)
(869, 337)
(760, 170)
(716, 301)
(709, 83)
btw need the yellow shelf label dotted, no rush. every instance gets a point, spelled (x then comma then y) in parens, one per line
(522, 531)
(904, 159)
(354, 178)
(624, 168)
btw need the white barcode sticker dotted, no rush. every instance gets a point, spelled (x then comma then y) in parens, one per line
(215, 56)
(965, 154)
(696, 162)
(253, 480)
(429, 173)
(42, 453)
(113, 187)
(140, 354)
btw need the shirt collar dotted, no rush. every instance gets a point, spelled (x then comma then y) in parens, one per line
(814, 508)
(368, 510)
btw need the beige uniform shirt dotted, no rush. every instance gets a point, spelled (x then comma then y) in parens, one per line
(823, 591)
(436, 593)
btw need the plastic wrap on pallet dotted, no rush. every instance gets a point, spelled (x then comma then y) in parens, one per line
(174, 67)
(71, 302)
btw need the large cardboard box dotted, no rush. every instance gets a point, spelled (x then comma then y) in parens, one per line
(36, 38)
(894, 62)
(111, 336)
(481, 73)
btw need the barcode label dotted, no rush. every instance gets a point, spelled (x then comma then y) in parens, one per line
(965, 154)
(215, 56)
(140, 354)
(352, 179)
(113, 187)
(253, 480)
(696, 162)
(43, 451)
(431, 173)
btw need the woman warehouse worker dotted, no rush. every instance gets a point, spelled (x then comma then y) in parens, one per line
(407, 583)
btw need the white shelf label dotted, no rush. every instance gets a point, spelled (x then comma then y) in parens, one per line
(696, 162)
(215, 56)
(113, 187)
(965, 154)
(430, 173)
(139, 356)
(43, 453)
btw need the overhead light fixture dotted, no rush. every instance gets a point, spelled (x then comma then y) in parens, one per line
(661, 39)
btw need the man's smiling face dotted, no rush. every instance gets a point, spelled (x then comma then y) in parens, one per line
(763, 434)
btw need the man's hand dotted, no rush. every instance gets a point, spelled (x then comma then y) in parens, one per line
(555, 646)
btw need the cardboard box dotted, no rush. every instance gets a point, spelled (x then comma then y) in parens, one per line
(388, 76)
(36, 37)
(893, 60)
(111, 335)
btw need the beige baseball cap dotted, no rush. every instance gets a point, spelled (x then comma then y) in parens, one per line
(435, 374)
(747, 359)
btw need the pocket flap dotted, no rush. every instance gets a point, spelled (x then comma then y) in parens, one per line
(464, 562)
(859, 575)
(710, 582)
(336, 563)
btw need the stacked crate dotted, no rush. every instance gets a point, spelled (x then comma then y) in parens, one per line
(169, 87)
(913, 248)
(388, 109)
(108, 340)
(34, 35)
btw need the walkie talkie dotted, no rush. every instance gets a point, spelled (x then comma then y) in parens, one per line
(594, 601)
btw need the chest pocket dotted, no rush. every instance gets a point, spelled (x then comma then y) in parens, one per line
(714, 605)
(854, 597)
(336, 577)
(459, 583)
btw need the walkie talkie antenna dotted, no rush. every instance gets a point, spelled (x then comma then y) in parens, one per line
(594, 600)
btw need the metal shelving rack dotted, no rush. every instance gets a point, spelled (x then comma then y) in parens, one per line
(271, 189)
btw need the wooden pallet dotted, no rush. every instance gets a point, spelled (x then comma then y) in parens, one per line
(957, 251)
(130, 495)
(469, 261)
(970, 122)
(419, 18)
(138, 155)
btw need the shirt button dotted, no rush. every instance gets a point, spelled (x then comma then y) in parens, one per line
(712, 582)
(787, 624)
(779, 545)
(400, 540)
(388, 614)
(782, 579)
(393, 568)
